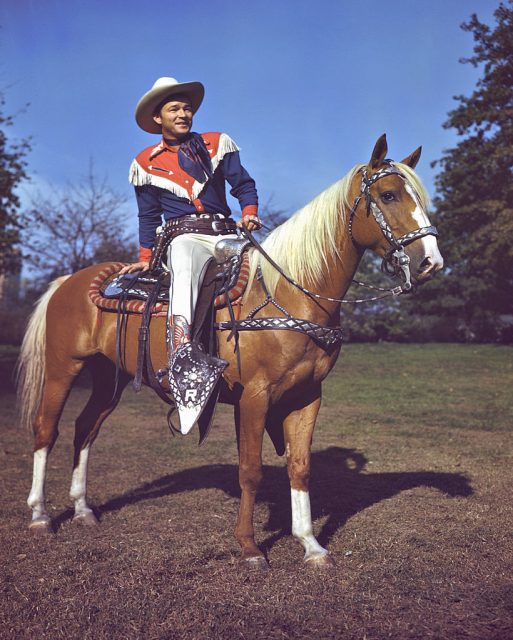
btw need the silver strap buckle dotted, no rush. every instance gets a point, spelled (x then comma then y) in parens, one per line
(219, 225)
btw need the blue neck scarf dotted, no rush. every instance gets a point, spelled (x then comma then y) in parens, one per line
(194, 158)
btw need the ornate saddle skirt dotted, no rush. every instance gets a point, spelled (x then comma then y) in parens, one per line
(231, 279)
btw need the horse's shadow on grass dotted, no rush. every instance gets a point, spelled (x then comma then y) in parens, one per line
(339, 489)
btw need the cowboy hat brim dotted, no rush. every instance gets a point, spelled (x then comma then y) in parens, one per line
(162, 89)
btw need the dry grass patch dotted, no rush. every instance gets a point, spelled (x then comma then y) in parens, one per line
(411, 488)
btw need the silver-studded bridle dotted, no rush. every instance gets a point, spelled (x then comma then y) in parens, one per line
(395, 261)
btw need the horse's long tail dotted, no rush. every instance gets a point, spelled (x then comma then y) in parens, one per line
(30, 368)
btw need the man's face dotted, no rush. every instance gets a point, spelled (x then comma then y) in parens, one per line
(175, 118)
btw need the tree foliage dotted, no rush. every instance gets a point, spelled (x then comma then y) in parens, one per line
(474, 203)
(12, 174)
(75, 227)
(473, 298)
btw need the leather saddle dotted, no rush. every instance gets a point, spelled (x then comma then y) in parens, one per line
(226, 277)
(224, 281)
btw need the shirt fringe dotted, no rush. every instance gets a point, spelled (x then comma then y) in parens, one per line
(139, 177)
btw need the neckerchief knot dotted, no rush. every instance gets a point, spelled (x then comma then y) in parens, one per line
(194, 158)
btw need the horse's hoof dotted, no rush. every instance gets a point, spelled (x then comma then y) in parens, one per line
(40, 528)
(320, 561)
(86, 519)
(255, 563)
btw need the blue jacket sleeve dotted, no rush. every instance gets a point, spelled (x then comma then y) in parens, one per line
(150, 214)
(243, 185)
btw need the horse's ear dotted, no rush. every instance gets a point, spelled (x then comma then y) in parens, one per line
(413, 158)
(379, 153)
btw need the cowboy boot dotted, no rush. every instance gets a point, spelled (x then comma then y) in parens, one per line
(180, 333)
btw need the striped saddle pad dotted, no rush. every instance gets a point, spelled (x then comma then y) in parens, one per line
(105, 289)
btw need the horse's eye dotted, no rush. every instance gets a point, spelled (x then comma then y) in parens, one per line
(387, 196)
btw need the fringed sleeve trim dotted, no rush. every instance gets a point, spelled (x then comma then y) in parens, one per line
(226, 145)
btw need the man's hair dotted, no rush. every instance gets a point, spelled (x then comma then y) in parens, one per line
(172, 97)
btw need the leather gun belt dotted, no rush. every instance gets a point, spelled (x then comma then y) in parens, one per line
(210, 224)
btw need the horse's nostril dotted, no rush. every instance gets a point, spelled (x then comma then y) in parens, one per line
(425, 265)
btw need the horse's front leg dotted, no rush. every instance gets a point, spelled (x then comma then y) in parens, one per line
(298, 428)
(250, 421)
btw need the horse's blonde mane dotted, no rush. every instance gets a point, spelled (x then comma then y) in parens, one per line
(302, 244)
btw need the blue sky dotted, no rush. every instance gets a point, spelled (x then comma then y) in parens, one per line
(305, 88)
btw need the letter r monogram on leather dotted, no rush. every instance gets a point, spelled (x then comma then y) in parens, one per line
(193, 376)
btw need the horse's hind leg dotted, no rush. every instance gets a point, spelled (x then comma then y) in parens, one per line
(57, 385)
(298, 427)
(103, 400)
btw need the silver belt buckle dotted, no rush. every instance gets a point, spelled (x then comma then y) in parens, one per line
(216, 226)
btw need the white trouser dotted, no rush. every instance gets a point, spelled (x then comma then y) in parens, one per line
(187, 257)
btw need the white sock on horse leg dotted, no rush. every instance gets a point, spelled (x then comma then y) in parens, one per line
(78, 488)
(302, 524)
(36, 500)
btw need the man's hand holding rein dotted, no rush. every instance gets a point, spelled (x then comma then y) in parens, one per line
(250, 222)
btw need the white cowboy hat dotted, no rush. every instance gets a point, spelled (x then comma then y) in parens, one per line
(162, 89)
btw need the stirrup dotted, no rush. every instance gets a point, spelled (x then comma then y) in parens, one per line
(192, 376)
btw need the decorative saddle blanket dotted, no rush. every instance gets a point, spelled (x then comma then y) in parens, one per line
(105, 290)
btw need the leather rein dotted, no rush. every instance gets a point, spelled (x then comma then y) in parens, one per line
(395, 261)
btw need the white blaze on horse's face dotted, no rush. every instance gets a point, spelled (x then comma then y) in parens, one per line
(398, 210)
(432, 261)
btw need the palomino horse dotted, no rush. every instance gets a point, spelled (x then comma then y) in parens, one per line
(279, 384)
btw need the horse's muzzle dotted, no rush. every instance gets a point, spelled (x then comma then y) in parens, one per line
(428, 268)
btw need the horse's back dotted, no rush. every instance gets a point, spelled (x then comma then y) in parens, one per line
(74, 326)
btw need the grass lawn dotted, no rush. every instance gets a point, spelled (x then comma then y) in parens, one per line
(411, 493)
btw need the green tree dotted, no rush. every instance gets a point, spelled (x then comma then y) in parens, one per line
(12, 174)
(474, 203)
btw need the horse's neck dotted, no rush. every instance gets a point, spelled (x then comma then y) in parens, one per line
(341, 268)
(339, 271)
(338, 265)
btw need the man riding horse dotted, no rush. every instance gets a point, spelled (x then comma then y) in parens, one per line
(182, 179)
